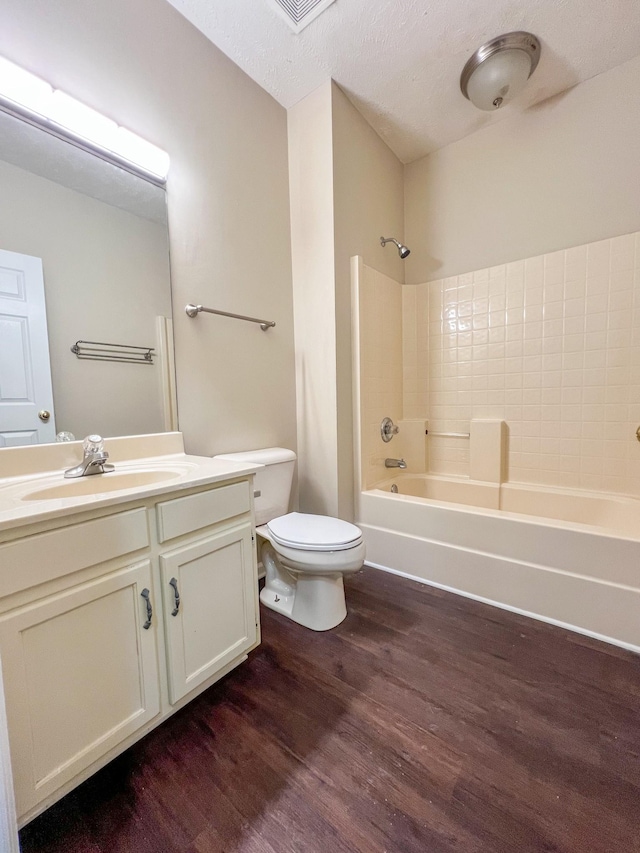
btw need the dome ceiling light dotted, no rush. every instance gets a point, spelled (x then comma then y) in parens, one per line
(499, 70)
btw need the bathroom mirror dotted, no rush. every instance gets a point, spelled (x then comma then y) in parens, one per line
(101, 234)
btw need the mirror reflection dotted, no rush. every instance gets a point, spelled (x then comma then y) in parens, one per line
(84, 255)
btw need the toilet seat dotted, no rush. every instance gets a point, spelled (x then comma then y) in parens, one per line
(307, 532)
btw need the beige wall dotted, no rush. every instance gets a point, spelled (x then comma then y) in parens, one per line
(311, 187)
(106, 276)
(346, 191)
(145, 66)
(380, 306)
(368, 203)
(561, 174)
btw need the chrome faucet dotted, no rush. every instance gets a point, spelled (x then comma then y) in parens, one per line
(94, 460)
(395, 463)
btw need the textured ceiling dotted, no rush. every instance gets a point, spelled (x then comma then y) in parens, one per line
(399, 61)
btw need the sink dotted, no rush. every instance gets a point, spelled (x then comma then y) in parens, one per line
(98, 484)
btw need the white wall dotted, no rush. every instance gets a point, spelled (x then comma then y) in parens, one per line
(145, 66)
(561, 174)
(106, 275)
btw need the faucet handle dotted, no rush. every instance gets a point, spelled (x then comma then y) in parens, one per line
(388, 429)
(93, 444)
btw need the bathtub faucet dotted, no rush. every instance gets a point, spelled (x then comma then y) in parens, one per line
(395, 463)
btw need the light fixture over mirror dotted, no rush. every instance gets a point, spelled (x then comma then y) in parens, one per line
(36, 101)
(498, 71)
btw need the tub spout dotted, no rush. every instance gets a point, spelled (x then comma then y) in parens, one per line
(395, 463)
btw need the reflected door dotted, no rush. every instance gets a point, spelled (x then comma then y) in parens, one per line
(26, 398)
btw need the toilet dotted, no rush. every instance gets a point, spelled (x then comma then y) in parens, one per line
(305, 557)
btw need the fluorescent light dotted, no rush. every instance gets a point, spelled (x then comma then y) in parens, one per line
(82, 120)
(132, 147)
(22, 87)
(45, 105)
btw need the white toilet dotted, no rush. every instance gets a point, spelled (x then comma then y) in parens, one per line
(304, 556)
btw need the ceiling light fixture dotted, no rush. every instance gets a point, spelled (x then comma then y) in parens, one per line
(499, 70)
(31, 99)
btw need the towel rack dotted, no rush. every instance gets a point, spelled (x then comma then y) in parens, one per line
(447, 434)
(100, 351)
(193, 311)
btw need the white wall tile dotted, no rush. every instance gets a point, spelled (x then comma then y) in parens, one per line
(554, 350)
(550, 344)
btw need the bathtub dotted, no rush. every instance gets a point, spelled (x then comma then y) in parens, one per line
(567, 557)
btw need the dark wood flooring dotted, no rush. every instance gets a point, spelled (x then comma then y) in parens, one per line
(425, 723)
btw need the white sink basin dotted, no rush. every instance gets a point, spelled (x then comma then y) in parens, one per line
(98, 484)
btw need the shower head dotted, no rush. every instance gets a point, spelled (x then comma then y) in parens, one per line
(402, 250)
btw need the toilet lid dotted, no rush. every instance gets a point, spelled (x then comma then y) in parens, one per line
(314, 532)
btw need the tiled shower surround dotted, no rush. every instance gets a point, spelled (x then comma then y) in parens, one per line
(551, 345)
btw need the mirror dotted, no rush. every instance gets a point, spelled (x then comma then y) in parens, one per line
(101, 234)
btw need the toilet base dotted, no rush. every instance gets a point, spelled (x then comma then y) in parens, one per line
(315, 601)
(307, 586)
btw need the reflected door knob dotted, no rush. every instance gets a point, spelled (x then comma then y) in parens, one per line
(44, 415)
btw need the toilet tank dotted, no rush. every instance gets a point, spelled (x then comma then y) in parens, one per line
(273, 482)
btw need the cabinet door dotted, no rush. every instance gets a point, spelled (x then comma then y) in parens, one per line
(81, 675)
(215, 579)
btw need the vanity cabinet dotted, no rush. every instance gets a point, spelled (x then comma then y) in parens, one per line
(110, 624)
(209, 607)
(81, 675)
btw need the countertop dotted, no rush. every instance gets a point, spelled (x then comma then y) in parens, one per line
(186, 472)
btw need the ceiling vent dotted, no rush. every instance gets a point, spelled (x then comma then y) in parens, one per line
(299, 13)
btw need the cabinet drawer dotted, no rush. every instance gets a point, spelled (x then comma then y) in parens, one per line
(184, 515)
(50, 555)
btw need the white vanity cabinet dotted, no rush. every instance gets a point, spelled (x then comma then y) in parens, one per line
(209, 607)
(209, 586)
(81, 675)
(95, 648)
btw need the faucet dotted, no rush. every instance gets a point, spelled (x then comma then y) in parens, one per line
(395, 463)
(94, 460)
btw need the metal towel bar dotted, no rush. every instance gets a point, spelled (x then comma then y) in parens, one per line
(101, 351)
(193, 311)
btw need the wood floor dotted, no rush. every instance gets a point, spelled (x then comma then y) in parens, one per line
(424, 723)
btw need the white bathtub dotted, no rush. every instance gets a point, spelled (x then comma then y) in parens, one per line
(567, 557)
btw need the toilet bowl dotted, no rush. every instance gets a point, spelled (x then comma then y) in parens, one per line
(305, 556)
(305, 569)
